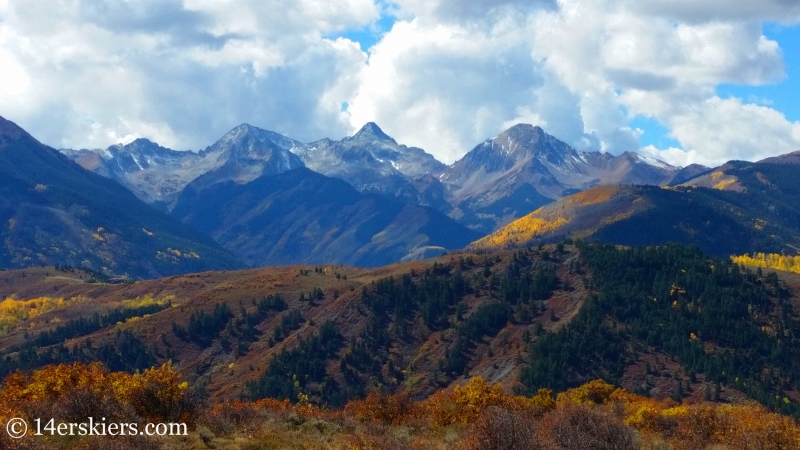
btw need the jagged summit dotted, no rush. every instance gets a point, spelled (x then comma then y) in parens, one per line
(139, 145)
(141, 141)
(248, 138)
(517, 145)
(502, 178)
(371, 131)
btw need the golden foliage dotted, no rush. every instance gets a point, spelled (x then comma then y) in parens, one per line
(174, 255)
(722, 185)
(770, 261)
(519, 232)
(478, 415)
(156, 394)
(13, 311)
(465, 403)
(596, 392)
(147, 300)
(594, 195)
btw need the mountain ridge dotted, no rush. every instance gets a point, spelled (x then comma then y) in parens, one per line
(373, 162)
(737, 208)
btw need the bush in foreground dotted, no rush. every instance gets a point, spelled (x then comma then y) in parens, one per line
(475, 416)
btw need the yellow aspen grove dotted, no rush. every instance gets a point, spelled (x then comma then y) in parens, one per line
(770, 261)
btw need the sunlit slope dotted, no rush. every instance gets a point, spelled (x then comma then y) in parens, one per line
(579, 215)
(757, 210)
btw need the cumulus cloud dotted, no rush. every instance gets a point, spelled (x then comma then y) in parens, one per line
(460, 11)
(87, 73)
(447, 75)
(590, 67)
(734, 129)
(446, 87)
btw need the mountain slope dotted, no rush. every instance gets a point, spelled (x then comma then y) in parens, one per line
(301, 216)
(52, 211)
(747, 207)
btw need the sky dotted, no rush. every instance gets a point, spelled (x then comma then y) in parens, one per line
(680, 80)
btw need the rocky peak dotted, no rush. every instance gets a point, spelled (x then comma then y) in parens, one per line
(518, 144)
(372, 131)
(139, 146)
(249, 142)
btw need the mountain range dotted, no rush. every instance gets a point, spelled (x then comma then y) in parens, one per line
(458, 275)
(366, 200)
(499, 180)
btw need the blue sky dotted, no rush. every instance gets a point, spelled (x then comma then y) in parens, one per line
(370, 35)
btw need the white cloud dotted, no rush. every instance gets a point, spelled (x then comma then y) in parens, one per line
(446, 87)
(729, 129)
(459, 11)
(449, 73)
(86, 73)
(591, 67)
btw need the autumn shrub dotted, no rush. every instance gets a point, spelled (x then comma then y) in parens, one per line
(466, 403)
(159, 394)
(392, 409)
(73, 392)
(577, 426)
(500, 428)
(752, 426)
(597, 392)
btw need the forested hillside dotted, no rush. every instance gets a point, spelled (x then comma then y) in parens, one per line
(666, 322)
(725, 325)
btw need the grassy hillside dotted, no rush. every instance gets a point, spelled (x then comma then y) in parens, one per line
(52, 211)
